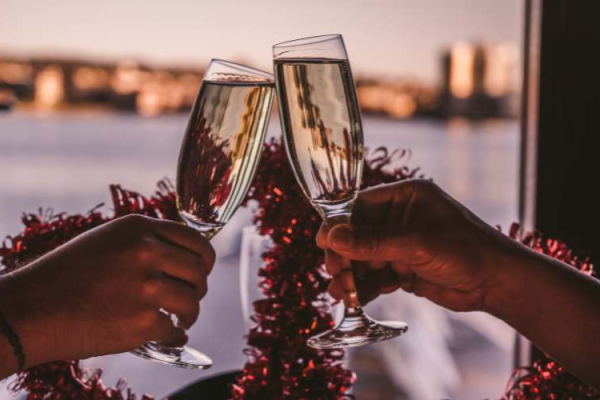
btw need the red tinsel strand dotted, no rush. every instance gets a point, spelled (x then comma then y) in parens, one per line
(279, 365)
(553, 248)
(546, 379)
(295, 306)
(67, 380)
(45, 232)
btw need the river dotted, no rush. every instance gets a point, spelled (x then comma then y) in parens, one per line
(67, 161)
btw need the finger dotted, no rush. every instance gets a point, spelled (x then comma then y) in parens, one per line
(163, 329)
(452, 299)
(335, 289)
(182, 265)
(373, 204)
(342, 286)
(322, 236)
(362, 268)
(334, 263)
(378, 282)
(372, 243)
(180, 300)
(177, 339)
(182, 236)
(402, 271)
(341, 268)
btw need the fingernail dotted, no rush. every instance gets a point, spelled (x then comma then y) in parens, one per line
(342, 237)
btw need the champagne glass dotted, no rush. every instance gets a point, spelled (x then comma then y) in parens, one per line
(219, 155)
(324, 141)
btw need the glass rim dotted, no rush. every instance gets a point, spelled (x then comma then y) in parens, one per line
(308, 40)
(250, 72)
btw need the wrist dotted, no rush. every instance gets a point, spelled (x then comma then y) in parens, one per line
(8, 361)
(511, 266)
(27, 317)
(14, 341)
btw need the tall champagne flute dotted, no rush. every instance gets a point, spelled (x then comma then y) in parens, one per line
(219, 155)
(324, 141)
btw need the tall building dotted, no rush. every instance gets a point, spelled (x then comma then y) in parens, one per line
(478, 80)
(49, 87)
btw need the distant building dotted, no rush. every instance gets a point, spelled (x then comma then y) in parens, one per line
(16, 77)
(127, 85)
(478, 81)
(49, 87)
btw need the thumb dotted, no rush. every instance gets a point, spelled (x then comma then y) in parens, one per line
(363, 243)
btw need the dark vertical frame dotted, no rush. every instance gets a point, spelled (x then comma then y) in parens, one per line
(560, 179)
(529, 111)
(567, 177)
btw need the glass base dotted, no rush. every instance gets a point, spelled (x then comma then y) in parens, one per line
(182, 357)
(207, 230)
(357, 329)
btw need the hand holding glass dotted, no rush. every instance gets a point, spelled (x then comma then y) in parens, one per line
(324, 141)
(219, 155)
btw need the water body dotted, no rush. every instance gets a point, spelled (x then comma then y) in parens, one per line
(67, 161)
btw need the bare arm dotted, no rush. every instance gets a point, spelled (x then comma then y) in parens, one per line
(103, 292)
(413, 236)
(555, 306)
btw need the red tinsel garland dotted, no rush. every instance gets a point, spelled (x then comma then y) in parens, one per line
(43, 233)
(546, 379)
(295, 306)
(280, 365)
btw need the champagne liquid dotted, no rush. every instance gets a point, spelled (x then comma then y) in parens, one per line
(220, 151)
(322, 130)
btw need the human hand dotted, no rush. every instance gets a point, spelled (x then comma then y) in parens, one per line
(102, 292)
(412, 235)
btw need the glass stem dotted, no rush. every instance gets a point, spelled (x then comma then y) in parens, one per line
(209, 232)
(353, 312)
(350, 296)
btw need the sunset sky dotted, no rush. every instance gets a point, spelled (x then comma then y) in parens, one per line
(389, 37)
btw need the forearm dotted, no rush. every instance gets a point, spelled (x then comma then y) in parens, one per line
(23, 316)
(8, 361)
(554, 305)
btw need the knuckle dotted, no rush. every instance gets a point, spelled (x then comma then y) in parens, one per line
(147, 318)
(150, 290)
(143, 251)
(143, 255)
(135, 220)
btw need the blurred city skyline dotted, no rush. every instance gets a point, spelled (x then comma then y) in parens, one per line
(385, 38)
